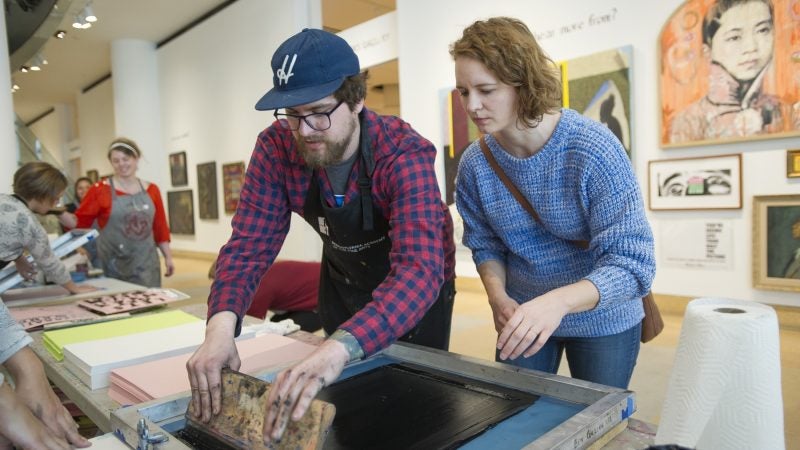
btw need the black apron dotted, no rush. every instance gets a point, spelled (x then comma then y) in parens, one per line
(355, 259)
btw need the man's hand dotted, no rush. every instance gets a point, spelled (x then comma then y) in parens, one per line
(205, 366)
(295, 388)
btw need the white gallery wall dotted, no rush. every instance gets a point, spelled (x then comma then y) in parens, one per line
(576, 28)
(96, 127)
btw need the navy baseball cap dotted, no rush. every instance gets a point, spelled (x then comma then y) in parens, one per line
(308, 66)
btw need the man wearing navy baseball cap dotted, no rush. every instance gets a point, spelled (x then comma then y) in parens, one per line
(366, 183)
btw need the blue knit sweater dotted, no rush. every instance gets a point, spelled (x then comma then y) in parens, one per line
(582, 185)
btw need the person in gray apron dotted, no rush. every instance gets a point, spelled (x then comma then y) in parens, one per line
(367, 185)
(125, 245)
(132, 225)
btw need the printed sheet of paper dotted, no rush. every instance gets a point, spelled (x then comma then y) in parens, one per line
(35, 317)
(131, 301)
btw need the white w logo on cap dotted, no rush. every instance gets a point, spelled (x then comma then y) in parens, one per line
(283, 76)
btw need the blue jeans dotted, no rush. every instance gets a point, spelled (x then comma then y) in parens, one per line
(606, 360)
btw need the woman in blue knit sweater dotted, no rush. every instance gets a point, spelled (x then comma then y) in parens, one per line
(547, 294)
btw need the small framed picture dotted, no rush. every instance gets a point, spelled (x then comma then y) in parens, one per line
(92, 175)
(776, 242)
(708, 182)
(232, 181)
(181, 211)
(177, 169)
(207, 190)
(793, 163)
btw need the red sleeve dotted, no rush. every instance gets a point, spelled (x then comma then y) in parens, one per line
(96, 205)
(160, 227)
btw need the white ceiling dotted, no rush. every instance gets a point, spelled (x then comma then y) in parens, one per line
(84, 56)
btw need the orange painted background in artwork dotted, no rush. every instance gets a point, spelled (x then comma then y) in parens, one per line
(684, 67)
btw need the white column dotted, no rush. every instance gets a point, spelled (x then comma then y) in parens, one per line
(9, 147)
(137, 109)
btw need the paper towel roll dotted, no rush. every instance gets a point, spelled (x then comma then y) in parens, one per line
(725, 387)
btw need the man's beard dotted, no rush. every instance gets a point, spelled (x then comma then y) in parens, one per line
(333, 152)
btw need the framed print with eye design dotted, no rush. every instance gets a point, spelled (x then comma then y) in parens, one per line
(709, 182)
(776, 242)
(793, 163)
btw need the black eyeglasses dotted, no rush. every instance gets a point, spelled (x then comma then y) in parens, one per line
(318, 121)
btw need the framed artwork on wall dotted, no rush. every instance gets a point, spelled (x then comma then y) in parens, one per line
(708, 182)
(92, 175)
(462, 132)
(181, 211)
(177, 169)
(776, 242)
(714, 88)
(793, 163)
(207, 190)
(599, 87)
(232, 181)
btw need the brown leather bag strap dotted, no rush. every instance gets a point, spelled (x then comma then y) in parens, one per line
(517, 194)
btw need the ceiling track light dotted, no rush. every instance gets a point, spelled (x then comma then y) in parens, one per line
(85, 17)
(80, 22)
(37, 62)
(89, 13)
(60, 34)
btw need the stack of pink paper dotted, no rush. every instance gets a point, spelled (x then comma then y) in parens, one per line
(157, 379)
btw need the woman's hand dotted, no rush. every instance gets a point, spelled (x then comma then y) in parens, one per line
(68, 220)
(74, 288)
(18, 426)
(530, 327)
(33, 390)
(170, 265)
(503, 308)
(25, 268)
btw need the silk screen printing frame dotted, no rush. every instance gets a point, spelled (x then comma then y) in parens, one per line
(776, 242)
(708, 182)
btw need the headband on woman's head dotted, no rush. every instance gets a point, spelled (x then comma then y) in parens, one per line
(123, 145)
